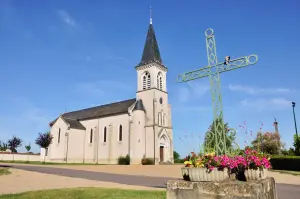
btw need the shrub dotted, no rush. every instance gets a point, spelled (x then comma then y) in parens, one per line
(124, 160)
(179, 161)
(291, 163)
(147, 161)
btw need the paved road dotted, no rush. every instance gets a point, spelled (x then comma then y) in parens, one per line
(284, 191)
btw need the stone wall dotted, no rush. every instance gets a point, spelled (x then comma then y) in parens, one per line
(4, 156)
(262, 189)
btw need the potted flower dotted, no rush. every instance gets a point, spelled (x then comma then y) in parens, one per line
(257, 165)
(206, 168)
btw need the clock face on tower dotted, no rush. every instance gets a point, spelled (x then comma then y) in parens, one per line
(161, 100)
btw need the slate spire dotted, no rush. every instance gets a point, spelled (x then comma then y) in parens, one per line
(151, 51)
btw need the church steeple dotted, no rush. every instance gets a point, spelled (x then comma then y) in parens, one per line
(151, 51)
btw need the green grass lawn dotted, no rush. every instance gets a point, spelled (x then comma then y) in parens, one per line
(87, 193)
(4, 172)
(46, 163)
(288, 172)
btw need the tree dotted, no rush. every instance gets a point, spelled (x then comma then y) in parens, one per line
(28, 147)
(268, 143)
(297, 144)
(14, 143)
(3, 146)
(44, 140)
(210, 142)
(176, 155)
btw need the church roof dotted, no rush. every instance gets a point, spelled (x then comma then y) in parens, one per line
(99, 111)
(139, 105)
(74, 124)
(151, 51)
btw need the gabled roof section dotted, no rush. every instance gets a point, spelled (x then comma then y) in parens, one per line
(74, 124)
(99, 111)
(139, 105)
(151, 51)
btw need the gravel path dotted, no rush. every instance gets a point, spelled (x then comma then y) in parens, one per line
(285, 191)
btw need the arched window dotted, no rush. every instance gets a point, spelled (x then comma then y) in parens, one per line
(146, 80)
(91, 136)
(159, 81)
(58, 138)
(104, 135)
(120, 133)
(144, 83)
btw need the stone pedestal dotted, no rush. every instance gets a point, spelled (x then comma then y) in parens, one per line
(260, 189)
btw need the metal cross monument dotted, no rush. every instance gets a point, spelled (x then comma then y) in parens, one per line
(213, 70)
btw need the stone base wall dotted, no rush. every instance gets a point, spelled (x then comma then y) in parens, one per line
(261, 189)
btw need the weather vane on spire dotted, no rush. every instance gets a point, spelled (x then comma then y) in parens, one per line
(150, 15)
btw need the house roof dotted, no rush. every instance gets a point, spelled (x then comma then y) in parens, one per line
(98, 111)
(151, 51)
(74, 124)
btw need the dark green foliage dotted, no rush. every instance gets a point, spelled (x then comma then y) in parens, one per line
(3, 146)
(176, 155)
(291, 163)
(297, 144)
(147, 161)
(179, 161)
(28, 147)
(124, 160)
(44, 140)
(211, 144)
(14, 143)
(290, 152)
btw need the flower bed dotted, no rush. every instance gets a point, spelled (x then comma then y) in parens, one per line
(249, 166)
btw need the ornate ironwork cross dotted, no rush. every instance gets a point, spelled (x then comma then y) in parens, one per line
(213, 71)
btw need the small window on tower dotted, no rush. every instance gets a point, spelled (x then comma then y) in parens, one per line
(144, 82)
(159, 81)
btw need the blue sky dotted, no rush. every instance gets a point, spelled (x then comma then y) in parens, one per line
(69, 55)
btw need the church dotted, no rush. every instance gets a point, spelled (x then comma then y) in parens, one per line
(140, 127)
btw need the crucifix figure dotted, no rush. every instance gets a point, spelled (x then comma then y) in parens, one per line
(213, 71)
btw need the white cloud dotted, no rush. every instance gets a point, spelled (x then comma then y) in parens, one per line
(192, 90)
(66, 18)
(263, 104)
(256, 91)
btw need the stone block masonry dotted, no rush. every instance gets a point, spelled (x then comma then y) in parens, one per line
(260, 189)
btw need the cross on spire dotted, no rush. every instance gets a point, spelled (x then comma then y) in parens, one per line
(150, 15)
(151, 52)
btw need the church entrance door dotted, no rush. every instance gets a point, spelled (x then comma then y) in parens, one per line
(161, 153)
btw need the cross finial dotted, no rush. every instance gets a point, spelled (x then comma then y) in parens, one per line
(150, 15)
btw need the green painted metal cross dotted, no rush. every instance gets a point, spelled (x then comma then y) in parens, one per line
(213, 71)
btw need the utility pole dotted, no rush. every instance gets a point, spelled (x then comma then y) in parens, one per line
(294, 104)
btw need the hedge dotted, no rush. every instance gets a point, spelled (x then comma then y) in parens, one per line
(179, 161)
(291, 163)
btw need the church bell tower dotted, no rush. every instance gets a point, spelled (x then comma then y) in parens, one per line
(152, 91)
